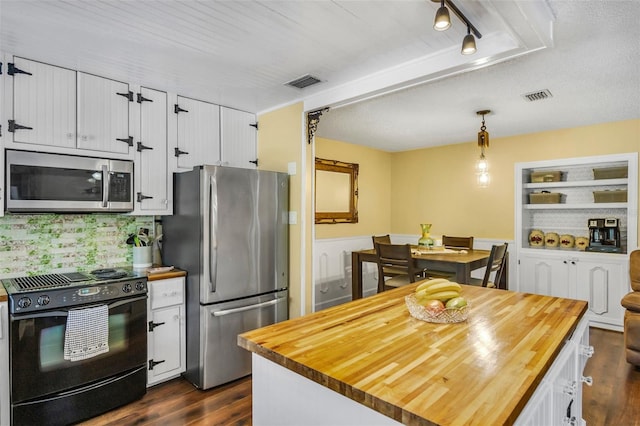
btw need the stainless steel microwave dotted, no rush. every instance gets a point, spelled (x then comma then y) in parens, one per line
(42, 182)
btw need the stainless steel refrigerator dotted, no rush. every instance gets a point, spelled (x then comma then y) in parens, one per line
(229, 231)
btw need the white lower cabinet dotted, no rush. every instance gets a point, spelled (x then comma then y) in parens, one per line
(4, 363)
(558, 398)
(166, 332)
(599, 279)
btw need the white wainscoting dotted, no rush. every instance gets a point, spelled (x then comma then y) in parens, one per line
(332, 267)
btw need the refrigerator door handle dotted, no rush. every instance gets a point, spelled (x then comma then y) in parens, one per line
(213, 241)
(246, 308)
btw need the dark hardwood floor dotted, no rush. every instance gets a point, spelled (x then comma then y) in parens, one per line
(614, 398)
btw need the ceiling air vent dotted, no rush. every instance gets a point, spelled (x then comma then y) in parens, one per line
(538, 95)
(304, 81)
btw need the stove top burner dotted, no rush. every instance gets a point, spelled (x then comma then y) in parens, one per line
(109, 273)
(37, 282)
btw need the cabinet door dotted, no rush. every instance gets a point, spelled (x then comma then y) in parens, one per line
(153, 176)
(198, 133)
(238, 138)
(165, 352)
(103, 114)
(44, 103)
(544, 275)
(603, 284)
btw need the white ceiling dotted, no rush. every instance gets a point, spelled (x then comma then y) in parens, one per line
(239, 54)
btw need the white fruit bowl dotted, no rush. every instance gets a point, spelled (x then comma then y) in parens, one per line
(446, 316)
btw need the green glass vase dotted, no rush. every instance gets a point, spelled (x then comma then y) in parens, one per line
(425, 239)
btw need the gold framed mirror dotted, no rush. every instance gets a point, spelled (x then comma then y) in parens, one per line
(336, 191)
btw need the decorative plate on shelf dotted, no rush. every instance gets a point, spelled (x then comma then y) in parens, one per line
(446, 316)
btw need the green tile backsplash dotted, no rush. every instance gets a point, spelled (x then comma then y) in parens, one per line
(48, 243)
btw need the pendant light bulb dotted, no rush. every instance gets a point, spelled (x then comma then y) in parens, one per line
(442, 21)
(482, 165)
(468, 43)
(484, 179)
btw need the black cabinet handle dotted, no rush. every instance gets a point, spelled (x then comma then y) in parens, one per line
(152, 324)
(142, 147)
(140, 196)
(178, 153)
(128, 141)
(12, 70)
(13, 126)
(153, 363)
(142, 99)
(177, 109)
(128, 95)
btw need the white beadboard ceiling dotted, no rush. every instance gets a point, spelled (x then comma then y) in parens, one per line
(366, 52)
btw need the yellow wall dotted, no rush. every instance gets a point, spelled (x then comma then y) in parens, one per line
(437, 185)
(374, 188)
(279, 143)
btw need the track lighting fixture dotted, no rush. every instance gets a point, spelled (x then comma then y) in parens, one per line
(443, 22)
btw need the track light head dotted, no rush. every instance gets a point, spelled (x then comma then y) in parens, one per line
(468, 43)
(442, 21)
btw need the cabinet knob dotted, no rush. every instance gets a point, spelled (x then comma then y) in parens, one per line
(586, 351)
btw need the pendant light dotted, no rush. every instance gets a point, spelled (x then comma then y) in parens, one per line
(468, 43)
(482, 165)
(442, 21)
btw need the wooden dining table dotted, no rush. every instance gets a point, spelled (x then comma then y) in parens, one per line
(459, 262)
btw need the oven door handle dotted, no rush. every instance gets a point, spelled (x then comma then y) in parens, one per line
(66, 313)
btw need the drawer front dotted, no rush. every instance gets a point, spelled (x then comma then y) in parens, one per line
(166, 292)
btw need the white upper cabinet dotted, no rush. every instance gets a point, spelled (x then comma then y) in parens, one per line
(103, 114)
(44, 104)
(238, 134)
(68, 111)
(198, 127)
(153, 180)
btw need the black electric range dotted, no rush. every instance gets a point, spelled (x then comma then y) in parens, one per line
(52, 291)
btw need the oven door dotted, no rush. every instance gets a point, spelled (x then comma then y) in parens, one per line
(38, 366)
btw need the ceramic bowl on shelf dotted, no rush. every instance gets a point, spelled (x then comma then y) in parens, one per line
(567, 241)
(536, 238)
(551, 239)
(582, 243)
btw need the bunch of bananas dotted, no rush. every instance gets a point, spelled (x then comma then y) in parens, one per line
(437, 289)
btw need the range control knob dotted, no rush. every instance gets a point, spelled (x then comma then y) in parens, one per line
(43, 300)
(127, 288)
(24, 302)
(140, 286)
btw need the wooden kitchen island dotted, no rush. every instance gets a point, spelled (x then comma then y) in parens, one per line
(369, 362)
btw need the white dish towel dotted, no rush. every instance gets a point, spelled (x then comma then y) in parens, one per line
(87, 333)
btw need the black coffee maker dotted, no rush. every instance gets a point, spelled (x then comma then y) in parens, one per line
(604, 235)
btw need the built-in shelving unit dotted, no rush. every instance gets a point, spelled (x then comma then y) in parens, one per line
(599, 278)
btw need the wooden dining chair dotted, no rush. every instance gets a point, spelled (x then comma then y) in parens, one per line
(395, 258)
(496, 266)
(460, 243)
(389, 271)
(455, 243)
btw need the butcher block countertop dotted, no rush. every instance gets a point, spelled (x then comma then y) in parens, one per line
(482, 371)
(3, 294)
(174, 273)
